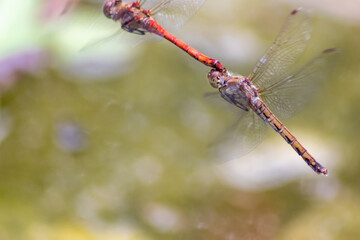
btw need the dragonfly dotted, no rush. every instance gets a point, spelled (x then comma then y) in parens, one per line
(275, 87)
(135, 18)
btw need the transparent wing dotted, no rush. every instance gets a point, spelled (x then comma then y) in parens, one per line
(240, 139)
(215, 99)
(172, 14)
(290, 93)
(282, 54)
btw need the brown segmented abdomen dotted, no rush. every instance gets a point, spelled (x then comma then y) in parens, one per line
(266, 115)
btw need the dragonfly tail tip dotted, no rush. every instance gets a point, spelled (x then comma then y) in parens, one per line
(323, 171)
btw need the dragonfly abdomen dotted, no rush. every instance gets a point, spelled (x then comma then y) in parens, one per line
(266, 115)
(157, 29)
(301, 150)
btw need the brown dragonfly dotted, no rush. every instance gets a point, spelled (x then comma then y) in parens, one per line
(275, 88)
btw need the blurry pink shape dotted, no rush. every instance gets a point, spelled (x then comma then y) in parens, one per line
(71, 137)
(55, 8)
(11, 67)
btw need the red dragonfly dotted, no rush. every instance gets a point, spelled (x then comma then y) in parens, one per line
(274, 88)
(135, 18)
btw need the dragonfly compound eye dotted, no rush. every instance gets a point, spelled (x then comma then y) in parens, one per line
(214, 78)
(109, 8)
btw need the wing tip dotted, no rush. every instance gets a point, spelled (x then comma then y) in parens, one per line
(296, 10)
(331, 50)
(300, 10)
(336, 52)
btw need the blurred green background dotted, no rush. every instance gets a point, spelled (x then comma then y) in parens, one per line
(111, 141)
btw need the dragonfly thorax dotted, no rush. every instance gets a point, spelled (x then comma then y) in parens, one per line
(235, 89)
(238, 91)
(130, 15)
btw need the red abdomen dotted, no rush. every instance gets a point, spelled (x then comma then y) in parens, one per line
(208, 61)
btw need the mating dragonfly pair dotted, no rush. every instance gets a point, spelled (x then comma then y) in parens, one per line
(272, 89)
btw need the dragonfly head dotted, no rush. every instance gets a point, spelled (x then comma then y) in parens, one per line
(217, 78)
(111, 8)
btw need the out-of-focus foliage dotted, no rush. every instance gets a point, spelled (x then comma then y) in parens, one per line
(110, 141)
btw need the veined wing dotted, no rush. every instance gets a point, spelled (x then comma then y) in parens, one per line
(291, 92)
(283, 53)
(240, 139)
(172, 14)
(215, 99)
